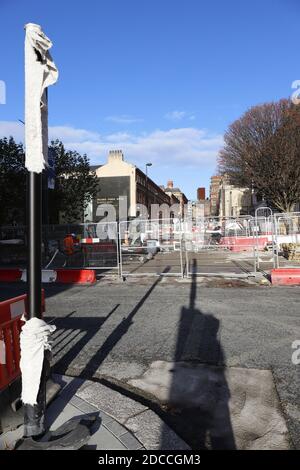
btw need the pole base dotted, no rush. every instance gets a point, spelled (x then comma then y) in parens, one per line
(34, 420)
(72, 435)
(34, 415)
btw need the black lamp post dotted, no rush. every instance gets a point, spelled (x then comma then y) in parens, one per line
(147, 202)
(36, 137)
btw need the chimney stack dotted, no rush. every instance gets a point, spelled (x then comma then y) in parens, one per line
(170, 184)
(201, 194)
(115, 155)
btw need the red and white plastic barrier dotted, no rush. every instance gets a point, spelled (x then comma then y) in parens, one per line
(89, 241)
(10, 275)
(238, 244)
(285, 277)
(11, 312)
(65, 276)
(98, 245)
(16, 307)
(76, 276)
(12, 308)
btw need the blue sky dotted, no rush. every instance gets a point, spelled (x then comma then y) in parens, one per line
(160, 79)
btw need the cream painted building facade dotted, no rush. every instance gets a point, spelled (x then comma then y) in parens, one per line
(121, 182)
(233, 201)
(117, 167)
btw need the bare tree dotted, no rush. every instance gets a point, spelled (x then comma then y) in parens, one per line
(262, 150)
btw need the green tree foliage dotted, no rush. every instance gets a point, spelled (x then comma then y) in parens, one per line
(75, 184)
(12, 182)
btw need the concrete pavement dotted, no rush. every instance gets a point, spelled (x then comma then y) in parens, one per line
(121, 423)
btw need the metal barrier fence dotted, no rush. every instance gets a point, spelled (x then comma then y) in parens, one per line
(264, 233)
(151, 247)
(206, 246)
(83, 246)
(219, 245)
(68, 246)
(13, 245)
(287, 235)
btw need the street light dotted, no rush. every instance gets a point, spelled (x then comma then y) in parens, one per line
(147, 165)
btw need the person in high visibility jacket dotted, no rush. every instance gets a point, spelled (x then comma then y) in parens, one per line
(69, 244)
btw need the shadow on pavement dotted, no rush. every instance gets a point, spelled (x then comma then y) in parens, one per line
(74, 333)
(88, 327)
(8, 290)
(206, 424)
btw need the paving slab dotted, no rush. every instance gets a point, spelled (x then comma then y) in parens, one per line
(154, 433)
(111, 402)
(240, 407)
(102, 438)
(146, 425)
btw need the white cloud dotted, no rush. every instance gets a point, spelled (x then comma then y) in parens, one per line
(179, 115)
(186, 146)
(67, 133)
(123, 119)
(174, 147)
(118, 137)
(64, 133)
(12, 128)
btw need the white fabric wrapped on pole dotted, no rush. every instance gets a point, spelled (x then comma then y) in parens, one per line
(40, 72)
(34, 340)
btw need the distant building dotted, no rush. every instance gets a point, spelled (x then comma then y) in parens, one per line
(203, 204)
(201, 194)
(176, 193)
(195, 211)
(234, 201)
(214, 197)
(121, 182)
(227, 200)
(199, 208)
